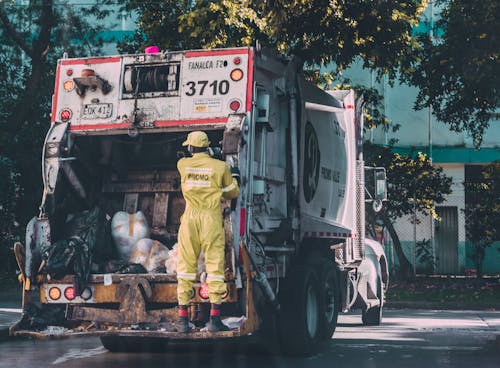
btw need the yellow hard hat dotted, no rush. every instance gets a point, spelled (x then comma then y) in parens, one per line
(197, 139)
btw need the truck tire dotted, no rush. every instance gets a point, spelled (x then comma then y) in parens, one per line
(373, 316)
(127, 344)
(329, 293)
(329, 300)
(299, 329)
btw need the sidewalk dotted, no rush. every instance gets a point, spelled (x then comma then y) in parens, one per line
(10, 308)
(476, 306)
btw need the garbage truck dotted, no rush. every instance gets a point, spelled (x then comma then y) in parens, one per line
(295, 248)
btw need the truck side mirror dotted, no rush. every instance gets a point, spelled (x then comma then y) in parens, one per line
(380, 184)
(376, 190)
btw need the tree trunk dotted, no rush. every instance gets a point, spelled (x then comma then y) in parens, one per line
(479, 253)
(37, 51)
(405, 267)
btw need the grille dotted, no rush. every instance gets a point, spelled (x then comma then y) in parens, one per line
(359, 246)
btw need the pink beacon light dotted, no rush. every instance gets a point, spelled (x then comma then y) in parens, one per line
(151, 50)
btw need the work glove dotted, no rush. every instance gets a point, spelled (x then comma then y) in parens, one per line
(235, 173)
(216, 153)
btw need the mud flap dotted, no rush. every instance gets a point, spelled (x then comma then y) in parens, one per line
(20, 254)
(366, 295)
(252, 322)
(29, 257)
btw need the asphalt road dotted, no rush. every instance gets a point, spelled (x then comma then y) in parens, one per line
(407, 338)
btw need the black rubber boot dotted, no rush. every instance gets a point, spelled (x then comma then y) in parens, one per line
(182, 325)
(215, 324)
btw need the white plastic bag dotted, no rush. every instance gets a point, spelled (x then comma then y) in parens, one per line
(173, 256)
(151, 254)
(230, 322)
(171, 262)
(126, 230)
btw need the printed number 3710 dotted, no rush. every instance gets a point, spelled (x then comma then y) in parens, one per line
(204, 87)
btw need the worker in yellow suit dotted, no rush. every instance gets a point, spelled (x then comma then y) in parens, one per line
(204, 181)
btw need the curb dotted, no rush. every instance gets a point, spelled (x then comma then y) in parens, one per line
(8, 317)
(4, 333)
(438, 305)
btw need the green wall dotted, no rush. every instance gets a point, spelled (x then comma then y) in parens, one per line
(491, 264)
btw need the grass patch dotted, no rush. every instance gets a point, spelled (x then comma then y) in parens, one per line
(446, 290)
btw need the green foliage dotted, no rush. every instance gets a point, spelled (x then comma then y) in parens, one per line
(425, 256)
(482, 224)
(318, 31)
(458, 74)
(457, 293)
(413, 182)
(32, 38)
(414, 185)
(9, 194)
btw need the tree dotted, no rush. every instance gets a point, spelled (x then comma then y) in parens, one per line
(9, 195)
(482, 212)
(318, 31)
(32, 37)
(458, 72)
(414, 184)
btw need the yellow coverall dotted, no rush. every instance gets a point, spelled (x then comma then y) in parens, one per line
(204, 180)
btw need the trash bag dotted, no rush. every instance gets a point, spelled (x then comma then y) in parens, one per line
(85, 224)
(132, 268)
(113, 266)
(69, 256)
(85, 237)
(39, 317)
(93, 227)
(126, 230)
(171, 262)
(173, 255)
(151, 254)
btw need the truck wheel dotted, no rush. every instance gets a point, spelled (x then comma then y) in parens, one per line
(329, 306)
(127, 344)
(329, 293)
(299, 319)
(373, 316)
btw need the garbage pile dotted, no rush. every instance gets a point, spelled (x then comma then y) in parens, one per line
(173, 255)
(87, 247)
(151, 254)
(131, 235)
(74, 251)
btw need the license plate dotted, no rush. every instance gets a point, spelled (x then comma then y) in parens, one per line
(97, 111)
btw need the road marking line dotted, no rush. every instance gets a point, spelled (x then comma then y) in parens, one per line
(80, 354)
(11, 310)
(440, 348)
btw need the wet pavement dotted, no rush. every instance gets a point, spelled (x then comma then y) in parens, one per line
(10, 309)
(407, 338)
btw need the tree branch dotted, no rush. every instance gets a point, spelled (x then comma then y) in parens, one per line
(10, 30)
(46, 24)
